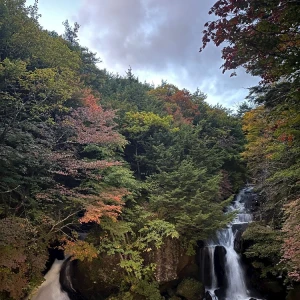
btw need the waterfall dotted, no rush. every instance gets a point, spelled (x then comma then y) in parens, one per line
(211, 252)
(51, 288)
(236, 286)
(233, 286)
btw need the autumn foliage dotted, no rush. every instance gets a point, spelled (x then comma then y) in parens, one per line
(291, 246)
(177, 103)
(262, 37)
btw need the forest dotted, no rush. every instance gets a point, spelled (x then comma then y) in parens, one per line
(110, 169)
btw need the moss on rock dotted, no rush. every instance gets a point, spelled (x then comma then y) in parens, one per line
(190, 289)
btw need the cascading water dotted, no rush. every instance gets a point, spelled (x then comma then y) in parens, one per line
(213, 278)
(51, 288)
(234, 284)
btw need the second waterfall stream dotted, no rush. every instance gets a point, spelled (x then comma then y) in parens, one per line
(222, 271)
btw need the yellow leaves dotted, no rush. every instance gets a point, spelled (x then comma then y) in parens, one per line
(269, 133)
(139, 122)
(80, 250)
(51, 82)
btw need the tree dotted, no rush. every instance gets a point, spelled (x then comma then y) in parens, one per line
(189, 198)
(261, 36)
(139, 128)
(291, 246)
(178, 103)
(23, 254)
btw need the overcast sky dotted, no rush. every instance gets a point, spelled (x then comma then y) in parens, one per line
(159, 39)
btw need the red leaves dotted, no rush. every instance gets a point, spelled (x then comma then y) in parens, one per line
(67, 164)
(178, 103)
(92, 125)
(71, 169)
(265, 34)
(22, 259)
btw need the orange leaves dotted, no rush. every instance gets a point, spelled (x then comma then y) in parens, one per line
(90, 101)
(107, 204)
(95, 212)
(177, 103)
(80, 249)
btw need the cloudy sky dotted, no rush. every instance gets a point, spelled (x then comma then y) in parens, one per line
(159, 39)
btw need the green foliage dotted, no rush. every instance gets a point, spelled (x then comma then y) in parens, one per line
(141, 122)
(154, 232)
(189, 199)
(264, 248)
(63, 161)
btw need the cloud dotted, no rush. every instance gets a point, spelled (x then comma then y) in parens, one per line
(160, 39)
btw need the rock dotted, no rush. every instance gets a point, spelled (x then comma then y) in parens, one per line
(294, 294)
(220, 293)
(219, 259)
(98, 279)
(190, 289)
(171, 261)
(272, 289)
(208, 296)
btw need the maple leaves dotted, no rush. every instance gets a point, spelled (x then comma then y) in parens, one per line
(22, 256)
(177, 103)
(272, 154)
(91, 124)
(262, 37)
(85, 125)
(107, 204)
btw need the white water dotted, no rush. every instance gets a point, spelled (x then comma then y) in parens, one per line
(237, 289)
(236, 283)
(214, 284)
(50, 288)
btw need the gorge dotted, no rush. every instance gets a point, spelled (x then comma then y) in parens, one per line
(135, 181)
(220, 266)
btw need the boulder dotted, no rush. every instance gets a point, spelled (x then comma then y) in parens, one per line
(208, 296)
(294, 294)
(190, 289)
(172, 262)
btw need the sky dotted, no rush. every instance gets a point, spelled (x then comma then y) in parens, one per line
(158, 39)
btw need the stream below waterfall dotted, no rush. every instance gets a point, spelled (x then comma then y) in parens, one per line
(222, 270)
(51, 287)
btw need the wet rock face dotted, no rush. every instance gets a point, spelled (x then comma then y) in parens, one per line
(103, 276)
(206, 265)
(208, 296)
(219, 259)
(172, 263)
(98, 279)
(251, 201)
(166, 259)
(66, 282)
(294, 294)
(238, 241)
(220, 293)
